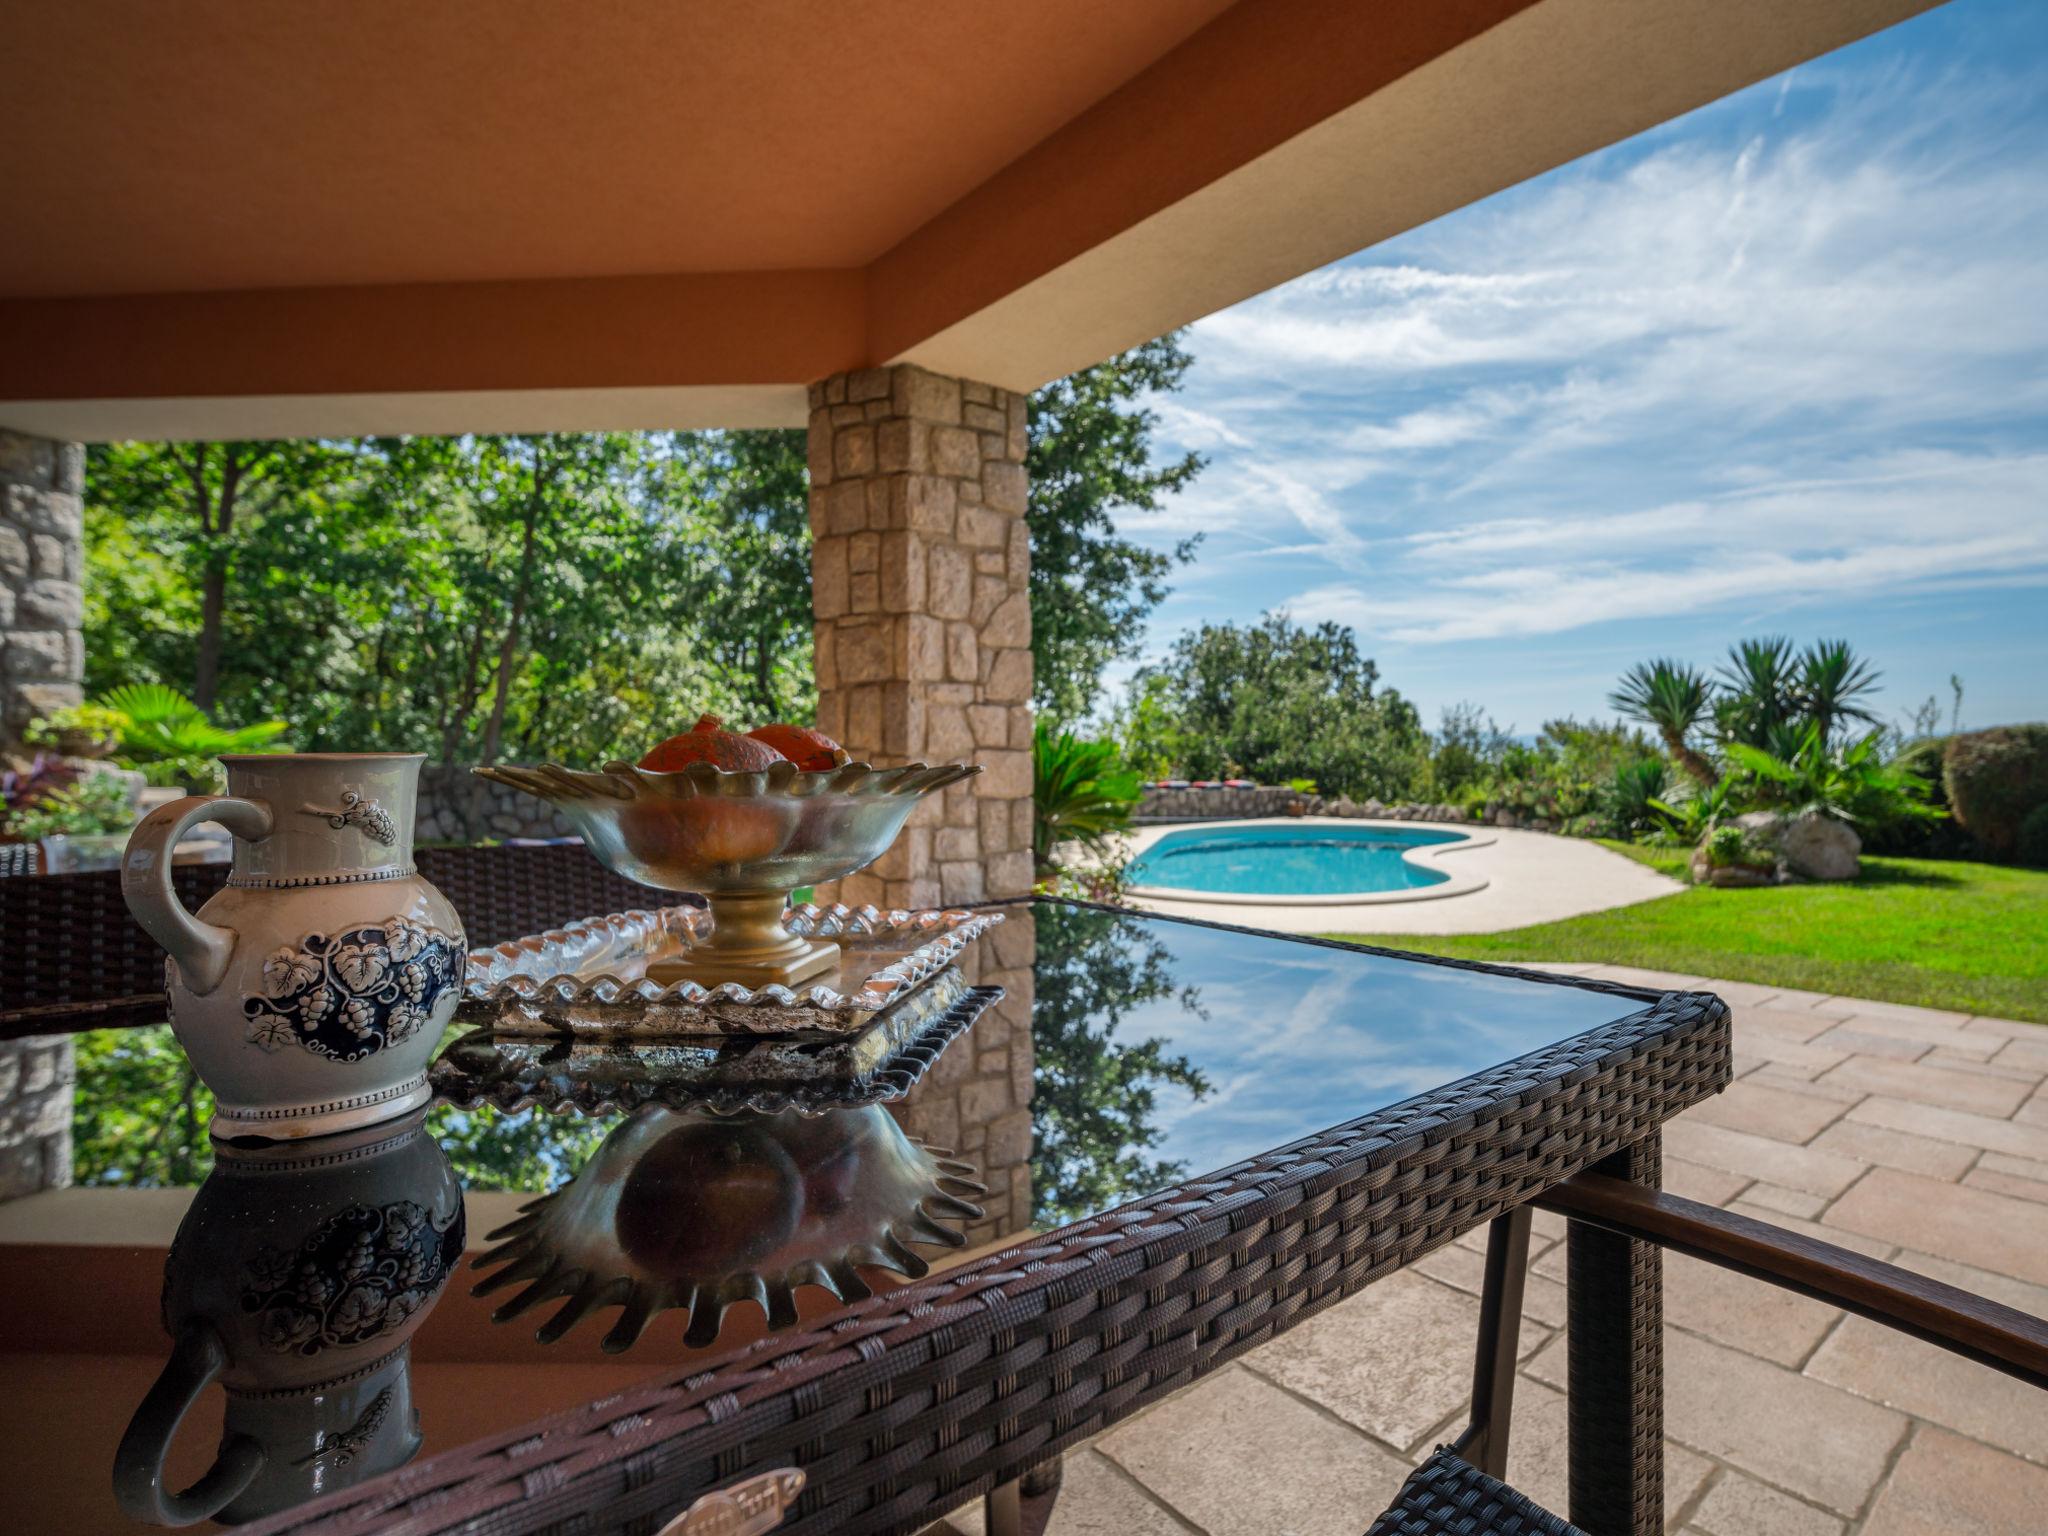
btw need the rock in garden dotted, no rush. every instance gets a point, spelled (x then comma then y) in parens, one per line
(1817, 846)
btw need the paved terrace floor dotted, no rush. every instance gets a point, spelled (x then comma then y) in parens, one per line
(1914, 1135)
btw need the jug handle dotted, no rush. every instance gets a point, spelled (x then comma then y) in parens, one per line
(196, 1360)
(201, 949)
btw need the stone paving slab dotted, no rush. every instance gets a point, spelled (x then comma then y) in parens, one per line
(1914, 1135)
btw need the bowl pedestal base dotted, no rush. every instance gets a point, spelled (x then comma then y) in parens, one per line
(748, 944)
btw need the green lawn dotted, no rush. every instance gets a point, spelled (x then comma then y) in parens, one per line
(1939, 933)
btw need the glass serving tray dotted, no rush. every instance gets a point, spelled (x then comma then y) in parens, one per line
(732, 1074)
(589, 979)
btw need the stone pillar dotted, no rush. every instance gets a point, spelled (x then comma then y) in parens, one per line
(35, 1114)
(920, 578)
(42, 651)
(920, 587)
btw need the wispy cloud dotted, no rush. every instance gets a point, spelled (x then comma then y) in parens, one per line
(1791, 348)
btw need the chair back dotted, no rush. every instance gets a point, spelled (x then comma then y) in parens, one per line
(74, 959)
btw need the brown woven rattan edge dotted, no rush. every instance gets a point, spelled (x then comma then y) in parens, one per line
(919, 1399)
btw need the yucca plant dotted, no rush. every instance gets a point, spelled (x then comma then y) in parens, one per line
(1832, 679)
(1759, 692)
(1081, 793)
(1672, 699)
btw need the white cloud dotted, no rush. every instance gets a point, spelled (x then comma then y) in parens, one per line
(1777, 355)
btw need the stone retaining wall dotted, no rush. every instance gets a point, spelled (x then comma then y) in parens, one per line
(456, 806)
(1234, 804)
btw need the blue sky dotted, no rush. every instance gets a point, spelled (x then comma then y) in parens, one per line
(1778, 366)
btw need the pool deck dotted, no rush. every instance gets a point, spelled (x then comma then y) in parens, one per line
(1530, 877)
(1915, 1135)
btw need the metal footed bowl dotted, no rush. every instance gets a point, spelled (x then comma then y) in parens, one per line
(742, 840)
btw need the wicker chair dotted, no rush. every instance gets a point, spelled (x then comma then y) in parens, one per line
(76, 960)
(1458, 1492)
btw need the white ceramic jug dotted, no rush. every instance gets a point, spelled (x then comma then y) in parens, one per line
(310, 992)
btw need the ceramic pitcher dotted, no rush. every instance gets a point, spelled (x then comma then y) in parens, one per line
(296, 1281)
(310, 992)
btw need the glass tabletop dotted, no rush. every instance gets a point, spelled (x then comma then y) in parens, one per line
(1129, 1052)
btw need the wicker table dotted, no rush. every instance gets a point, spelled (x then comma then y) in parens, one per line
(1456, 1094)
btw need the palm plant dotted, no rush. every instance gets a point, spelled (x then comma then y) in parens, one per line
(1688, 818)
(1629, 801)
(1853, 783)
(170, 739)
(1832, 678)
(1672, 699)
(1759, 693)
(1080, 793)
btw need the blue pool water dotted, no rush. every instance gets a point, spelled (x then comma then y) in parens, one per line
(1283, 861)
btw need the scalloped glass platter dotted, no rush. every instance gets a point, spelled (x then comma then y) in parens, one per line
(726, 1074)
(589, 979)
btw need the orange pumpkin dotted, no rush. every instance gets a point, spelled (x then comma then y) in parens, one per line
(709, 742)
(810, 750)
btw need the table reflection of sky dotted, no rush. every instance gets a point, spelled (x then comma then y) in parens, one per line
(1295, 1038)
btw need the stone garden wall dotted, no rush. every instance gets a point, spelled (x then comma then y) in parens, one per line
(455, 806)
(1232, 804)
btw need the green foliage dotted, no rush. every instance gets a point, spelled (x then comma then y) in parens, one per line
(96, 723)
(1464, 752)
(1851, 782)
(1732, 847)
(1091, 467)
(561, 596)
(1674, 700)
(164, 734)
(1758, 703)
(1995, 780)
(141, 1114)
(31, 784)
(1096, 1095)
(1080, 793)
(97, 804)
(1273, 701)
(1689, 817)
(1628, 801)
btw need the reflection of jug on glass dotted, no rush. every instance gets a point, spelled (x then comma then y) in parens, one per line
(296, 1281)
(696, 1211)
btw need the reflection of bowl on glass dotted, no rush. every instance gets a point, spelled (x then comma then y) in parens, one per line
(743, 840)
(697, 1212)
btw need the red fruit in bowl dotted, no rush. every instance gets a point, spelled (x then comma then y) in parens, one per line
(709, 742)
(810, 750)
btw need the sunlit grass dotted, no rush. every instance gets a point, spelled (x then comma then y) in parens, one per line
(1935, 933)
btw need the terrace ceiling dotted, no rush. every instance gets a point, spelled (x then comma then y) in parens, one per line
(290, 217)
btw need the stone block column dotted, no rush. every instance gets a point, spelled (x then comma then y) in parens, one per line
(42, 664)
(920, 577)
(42, 649)
(920, 587)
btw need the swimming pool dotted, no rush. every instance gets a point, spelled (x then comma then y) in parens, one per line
(1312, 861)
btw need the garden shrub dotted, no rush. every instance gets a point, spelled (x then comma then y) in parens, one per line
(2032, 849)
(1995, 779)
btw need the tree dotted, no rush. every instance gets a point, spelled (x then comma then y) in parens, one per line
(1090, 459)
(1672, 699)
(196, 505)
(1758, 703)
(1274, 701)
(744, 580)
(1092, 1110)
